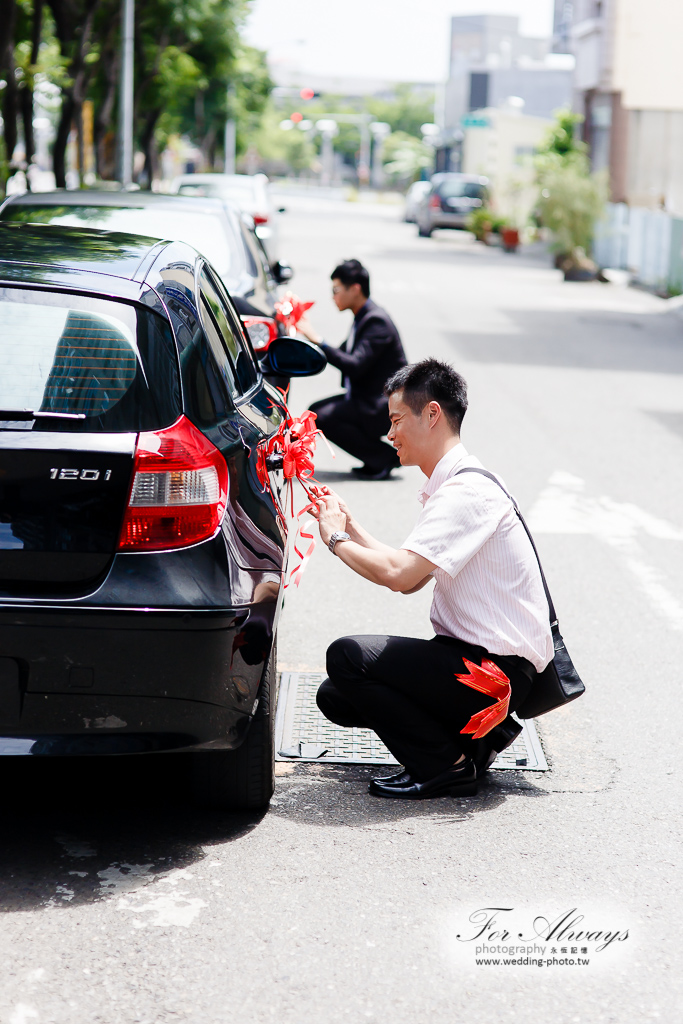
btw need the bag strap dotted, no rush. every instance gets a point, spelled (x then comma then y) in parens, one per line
(491, 476)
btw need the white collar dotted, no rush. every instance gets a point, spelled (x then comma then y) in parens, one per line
(441, 472)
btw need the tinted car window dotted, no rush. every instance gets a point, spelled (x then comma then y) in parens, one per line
(221, 326)
(213, 236)
(204, 387)
(109, 362)
(456, 189)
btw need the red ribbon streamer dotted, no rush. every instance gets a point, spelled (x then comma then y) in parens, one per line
(290, 310)
(491, 680)
(295, 441)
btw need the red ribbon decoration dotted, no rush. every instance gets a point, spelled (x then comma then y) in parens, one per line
(295, 441)
(290, 310)
(491, 680)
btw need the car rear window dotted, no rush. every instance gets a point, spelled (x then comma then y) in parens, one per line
(84, 364)
(461, 189)
(210, 234)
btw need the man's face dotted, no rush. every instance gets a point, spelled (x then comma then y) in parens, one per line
(343, 297)
(410, 434)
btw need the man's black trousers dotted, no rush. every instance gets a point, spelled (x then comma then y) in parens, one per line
(405, 690)
(347, 424)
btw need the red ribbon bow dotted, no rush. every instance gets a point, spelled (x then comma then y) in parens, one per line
(491, 680)
(290, 310)
(295, 440)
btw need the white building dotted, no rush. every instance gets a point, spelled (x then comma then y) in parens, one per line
(490, 61)
(629, 86)
(500, 144)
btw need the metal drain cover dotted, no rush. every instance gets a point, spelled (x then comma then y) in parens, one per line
(302, 733)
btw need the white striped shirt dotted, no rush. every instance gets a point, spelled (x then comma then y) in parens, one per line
(488, 585)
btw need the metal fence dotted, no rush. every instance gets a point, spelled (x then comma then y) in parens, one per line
(648, 243)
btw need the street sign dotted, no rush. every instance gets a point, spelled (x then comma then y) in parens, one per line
(475, 122)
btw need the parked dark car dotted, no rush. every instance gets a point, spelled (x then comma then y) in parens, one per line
(213, 227)
(141, 558)
(449, 202)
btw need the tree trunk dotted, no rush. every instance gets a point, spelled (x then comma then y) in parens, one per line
(27, 91)
(72, 98)
(8, 15)
(61, 140)
(149, 145)
(102, 135)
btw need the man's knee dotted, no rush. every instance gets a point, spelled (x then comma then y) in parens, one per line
(344, 660)
(335, 706)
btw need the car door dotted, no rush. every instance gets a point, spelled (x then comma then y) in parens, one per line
(257, 531)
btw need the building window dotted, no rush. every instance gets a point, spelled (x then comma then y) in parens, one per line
(479, 90)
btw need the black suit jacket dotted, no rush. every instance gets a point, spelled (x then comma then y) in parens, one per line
(377, 353)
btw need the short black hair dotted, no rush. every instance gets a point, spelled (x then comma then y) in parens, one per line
(352, 272)
(431, 381)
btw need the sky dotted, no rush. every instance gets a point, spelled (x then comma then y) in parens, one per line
(399, 40)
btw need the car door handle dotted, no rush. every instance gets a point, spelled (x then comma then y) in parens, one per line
(274, 461)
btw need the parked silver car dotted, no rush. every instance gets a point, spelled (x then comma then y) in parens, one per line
(415, 194)
(250, 192)
(451, 199)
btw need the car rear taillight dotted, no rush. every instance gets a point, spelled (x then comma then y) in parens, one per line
(261, 330)
(260, 218)
(179, 492)
(435, 203)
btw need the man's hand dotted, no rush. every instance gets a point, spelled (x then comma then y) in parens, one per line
(330, 516)
(305, 327)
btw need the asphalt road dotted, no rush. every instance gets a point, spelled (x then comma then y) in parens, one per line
(122, 903)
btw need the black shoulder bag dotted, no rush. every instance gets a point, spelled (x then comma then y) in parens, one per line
(559, 681)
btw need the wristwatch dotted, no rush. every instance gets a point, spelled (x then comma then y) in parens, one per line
(337, 535)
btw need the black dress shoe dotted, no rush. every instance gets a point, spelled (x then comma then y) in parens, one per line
(395, 780)
(458, 780)
(367, 473)
(486, 749)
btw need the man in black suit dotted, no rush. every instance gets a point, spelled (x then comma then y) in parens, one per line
(357, 420)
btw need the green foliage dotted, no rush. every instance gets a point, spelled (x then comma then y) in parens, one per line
(484, 221)
(570, 203)
(561, 137)
(571, 199)
(405, 112)
(282, 151)
(405, 157)
(187, 54)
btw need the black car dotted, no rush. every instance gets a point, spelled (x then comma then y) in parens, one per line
(217, 229)
(450, 200)
(141, 556)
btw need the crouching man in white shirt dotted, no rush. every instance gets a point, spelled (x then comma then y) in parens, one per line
(441, 706)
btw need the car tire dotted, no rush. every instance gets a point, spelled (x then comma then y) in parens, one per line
(424, 232)
(242, 779)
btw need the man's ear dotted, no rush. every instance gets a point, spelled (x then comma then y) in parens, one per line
(435, 412)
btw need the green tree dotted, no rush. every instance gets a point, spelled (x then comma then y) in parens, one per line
(571, 199)
(405, 112)
(405, 157)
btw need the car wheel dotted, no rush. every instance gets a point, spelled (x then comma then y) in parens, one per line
(242, 779)
(424, 232)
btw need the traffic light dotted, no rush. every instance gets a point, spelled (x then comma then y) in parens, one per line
(308, 94)
(296, 117)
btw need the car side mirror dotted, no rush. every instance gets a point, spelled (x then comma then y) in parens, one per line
(282, 272)
(294, 357)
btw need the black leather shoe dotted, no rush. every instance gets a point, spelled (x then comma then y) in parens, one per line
(395, 780)
(485, 749)
(366, 473)
(459, 780)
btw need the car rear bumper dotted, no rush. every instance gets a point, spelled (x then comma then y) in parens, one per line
(449, 220)
(119, 682)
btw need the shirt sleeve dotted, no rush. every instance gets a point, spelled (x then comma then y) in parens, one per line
(366, 351)
(454, 524)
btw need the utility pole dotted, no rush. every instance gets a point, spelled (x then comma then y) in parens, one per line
(125, 133)
(230, 136)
